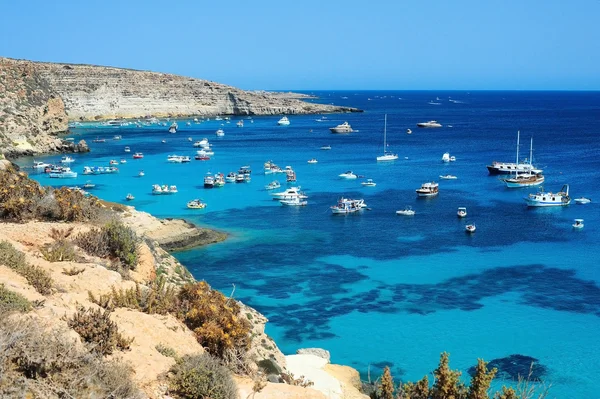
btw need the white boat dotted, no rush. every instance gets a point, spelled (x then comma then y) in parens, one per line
(123, 160)
(202, 143)
(209, 180)
(578, 224)
(117, 137)
(66, 159)
(429, 124)
(88, 184)
(369, 183)
(240, 123)
(297, 201)
(348, 175)
(343, 128)
(176, 158)
(173, 127)
(290, 175)
(63, 173)
(164, 189)
(127, 149)
(408, 211)
(40, 165)
(141, 174)
(230, 178)
(462, 212)
(346, 205)
(387, 156)
(270, 167)
(582, 200)
(196, 204)
(506, 168)
(452, 158)
(313, 160)
(408, 131)
(470, 228)
(326, 147)
(113, 162)
(138, 155)
(542, 198)
(290, 193)
(130, 197)
(284, 121)
(446, 157)
(525, 179)
(448, 177)
(220, 133)
(273, 185)
(205, 151)
(428, 189)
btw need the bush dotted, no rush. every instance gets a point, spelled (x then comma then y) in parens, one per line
(166, 351)
(202, 376)
(96, 328)
(12, 302)
(59, 251)
(214, 319)
(113, 240)
(15, 259)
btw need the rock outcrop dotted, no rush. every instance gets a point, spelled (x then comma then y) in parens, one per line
(38, 99)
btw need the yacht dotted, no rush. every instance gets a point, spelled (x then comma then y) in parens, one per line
(542, 198)
(123, 160)
(408, 211)
(346, 205)
(209, 181)
(343, 128)
(448, 177)
(176, 158)
(201, 156)
(117, 137)
(505, 168)
(67, 159)
(429, 124)
(290, 193)
(273, 185)
(202, 143)
(369, 183)
(290, 175)
(113, 162)
(428, 190)
(470, 228)
(173, 127)
(348, 175)
(578, 224)
(462, 212)
(446, 157)
(40, 165)
(296, 201)
(387, 156)
(99, 140)
(196, 204)
(582, 201)
(129, 197)
(220, 133)
(284, 121)
(63, 173)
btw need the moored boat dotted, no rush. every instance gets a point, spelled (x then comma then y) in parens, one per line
(543, 198)
(127, 149)
(408, 211)
(296, 201)
(138, 155)
(284, 121)
(429, 189)
(209, 180)
(429, 124)
(578, 224)
(173, 127)
(273, 185)
(343, 128)
(63, 173)
(462, 212)
(220, 133)
(446, 157)
(312, 160)
(129, 197)
(582, 200)
(387, 156)
(345, 206)
(369, 183)
(448, 177)
(470, 228)
(348, 175)
(196, 204)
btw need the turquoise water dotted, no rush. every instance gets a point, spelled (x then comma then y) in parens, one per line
(380, 289)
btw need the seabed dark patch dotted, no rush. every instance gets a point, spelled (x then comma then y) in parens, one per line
(516, 366)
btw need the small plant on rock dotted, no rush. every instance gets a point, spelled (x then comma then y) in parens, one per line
(202, 377)
(96, 328)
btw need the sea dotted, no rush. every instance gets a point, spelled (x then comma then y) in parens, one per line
(375, 288)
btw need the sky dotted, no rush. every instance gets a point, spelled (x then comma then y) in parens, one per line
(321, 45)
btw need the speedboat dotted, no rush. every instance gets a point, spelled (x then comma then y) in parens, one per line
(123, 160)
(408, 211)
(98, 140)
(470, 228)
(129, 197)
(312, 160)
(297, 201)
(582, 200)
(219, 180)
(209, 180)
(448, 177)
(543, 198)
(290, 193)
(343, 128)
(141, 174)
(578, 224)
(326, 147)
(201, 157)
(40, 165)
(452, 158)
(369, 183)
(462, 212)
(127, 149)
(138, 155)
(196, 204)
(446, 157)
(173, 127)
(429, 124)
(220, 133)
(408, 131)
(346, 205)
(290, 175)
(63, 173)
(240, 123)
(284, 121)
(113, 162)
(348, 175)
(88, 184)
(66, 159)
(117, 137)
(202, 143)
(164, 141)
(428, 189)
(190, 139)
(273, 185)
(230, 178)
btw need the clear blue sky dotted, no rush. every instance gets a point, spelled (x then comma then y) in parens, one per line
(326, 44)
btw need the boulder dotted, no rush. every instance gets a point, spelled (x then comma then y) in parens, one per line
(322, 353)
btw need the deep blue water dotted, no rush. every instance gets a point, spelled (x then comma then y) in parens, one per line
(379, 289)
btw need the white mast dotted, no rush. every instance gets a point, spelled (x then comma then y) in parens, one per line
(531, 153)
(384, 134)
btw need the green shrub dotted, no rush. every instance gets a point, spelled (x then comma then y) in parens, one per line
(11, 301)
(113, 240)
(15, 259)
(59, 251)
(74, 271)
(96, 328)
(166, 351)
(201, 377)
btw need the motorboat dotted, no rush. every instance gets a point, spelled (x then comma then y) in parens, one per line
(164, 141)
(190, 139)
(345, 206)
(462, 212)
(240, 123)
(88, 184)
(164, 189)
(578, 224)
(123, 160)
(271, 168)
(505, 168)
(448, 177)
(209, 180)
(429, 189)
(230, 178)
(290, 176)
(452, 158)
(582, 201)
(343, 128)
(196, 204)
(117, 137)
(99, 140)
(429, 124)
(127, 149)
(289, 193)
(113, 162)
(446, 157)
(470, 228)
(348, 175)
(243, 175)
(321, 119)
(219, 180)
(387, 156)
(173, 127)
(408, 131)
(273, 185)
(543, 198)
(326, 147)
(312, 160)
(408, 211)
(201, 157)
(40, 165)
(99, 170)
(141, 173)
(129, 197)
(138, 155)
(284, 121)
(202, 143)
(63, 173)
(369, 183)
(297, 201)
(220, 133)
(67, 159)
(178, 158)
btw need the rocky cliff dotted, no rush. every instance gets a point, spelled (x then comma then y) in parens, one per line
(38, 99)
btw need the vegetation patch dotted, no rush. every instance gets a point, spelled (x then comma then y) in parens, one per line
(11, 301)
(15, 259)
(113, 240)
(200, 377)
(166, 351)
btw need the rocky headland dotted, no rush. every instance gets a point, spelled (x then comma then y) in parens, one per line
(38, 99)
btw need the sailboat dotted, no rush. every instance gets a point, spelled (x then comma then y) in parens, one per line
(526, 179)
(387, 156)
